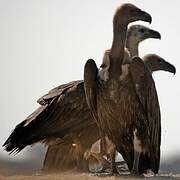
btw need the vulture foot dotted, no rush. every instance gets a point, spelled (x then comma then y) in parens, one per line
(134, 170)
(148, 173)
(114, 170)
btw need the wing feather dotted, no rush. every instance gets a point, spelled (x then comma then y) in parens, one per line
(90, 85)
(146, 92)
(64, 114)
(57, 91)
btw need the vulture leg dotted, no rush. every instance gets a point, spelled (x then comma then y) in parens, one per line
(135, 163)
(137, 153)
(103, 145)
(113, 163)
(108, 149)
(80, 159)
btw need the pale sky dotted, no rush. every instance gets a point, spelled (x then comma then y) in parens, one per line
(45, 43)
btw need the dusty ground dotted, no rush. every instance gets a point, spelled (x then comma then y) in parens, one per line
(26, 171)
(29, 168)
(79, 176)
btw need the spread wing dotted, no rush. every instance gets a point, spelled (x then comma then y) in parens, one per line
(146, 91)
(90, 85)
(64, 112)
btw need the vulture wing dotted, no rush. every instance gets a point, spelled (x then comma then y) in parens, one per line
(146, 91)
(154, 118)
(89, 134)
(90, 85)
(57, 91)
(64, 112)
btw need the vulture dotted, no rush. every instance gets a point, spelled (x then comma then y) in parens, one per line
(58, 154)
(64, 118)
(54, 156)
(125, 105)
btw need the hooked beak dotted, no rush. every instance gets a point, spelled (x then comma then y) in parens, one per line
(144, 16)
(170, 68)
(154, 34)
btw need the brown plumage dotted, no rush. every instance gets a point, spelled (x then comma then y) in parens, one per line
(49, 163)
(66, 99)
(46, 125)
(123, 106)
(62, 98)
(136, 34)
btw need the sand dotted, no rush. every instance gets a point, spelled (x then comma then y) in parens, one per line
(82, 176)
(28, 170)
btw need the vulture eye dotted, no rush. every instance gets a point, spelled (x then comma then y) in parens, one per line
(142, 30)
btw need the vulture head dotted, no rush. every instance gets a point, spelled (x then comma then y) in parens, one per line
(128, 13)
(156, 63)
(139, 33)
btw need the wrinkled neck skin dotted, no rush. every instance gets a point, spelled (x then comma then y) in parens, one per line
(132, 46)
(117, 49)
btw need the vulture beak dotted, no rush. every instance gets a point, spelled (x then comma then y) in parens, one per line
(144, 16)
(169, 67)
(154, 34)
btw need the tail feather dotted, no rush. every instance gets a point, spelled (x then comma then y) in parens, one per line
(25, 133)
(14, 143)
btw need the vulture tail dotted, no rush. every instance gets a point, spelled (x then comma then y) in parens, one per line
(18, 139)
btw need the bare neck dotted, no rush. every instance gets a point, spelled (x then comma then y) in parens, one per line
(150, 65)
(117, 49)
(132, 46)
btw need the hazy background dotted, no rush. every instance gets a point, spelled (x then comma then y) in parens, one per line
(44, 43)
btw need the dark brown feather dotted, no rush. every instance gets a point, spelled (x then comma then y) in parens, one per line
(44, 122)
(122, 107)
(146, 91)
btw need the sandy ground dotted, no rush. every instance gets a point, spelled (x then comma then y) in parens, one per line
(69, 176)
(28, 170)
(80, 176)
(23, 172)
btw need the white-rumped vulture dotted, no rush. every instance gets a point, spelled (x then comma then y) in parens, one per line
(64, 111)
(125, 106)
